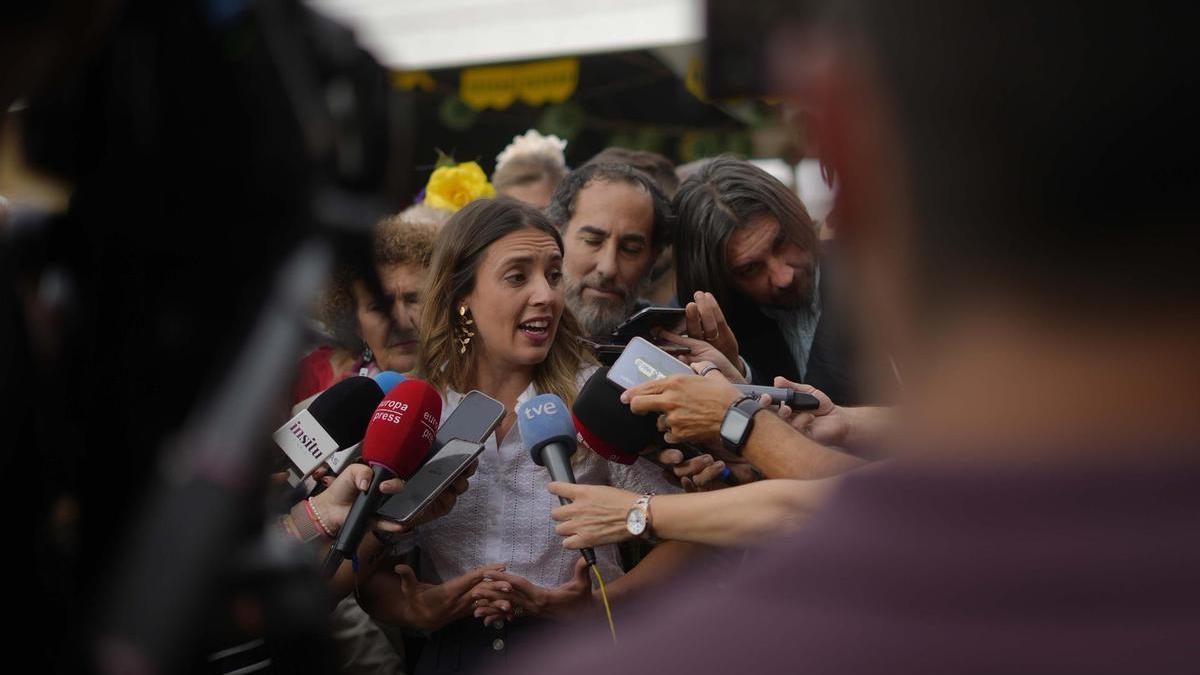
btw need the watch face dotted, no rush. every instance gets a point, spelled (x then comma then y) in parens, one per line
(734, 427)
(635, 522)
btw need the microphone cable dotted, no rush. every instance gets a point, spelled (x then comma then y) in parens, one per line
(607, 609)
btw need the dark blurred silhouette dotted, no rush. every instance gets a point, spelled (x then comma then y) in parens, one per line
(220, 155)
(1017, 202)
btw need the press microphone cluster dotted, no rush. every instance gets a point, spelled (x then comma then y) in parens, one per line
(398, 437)
(548, 431)
(331, 427)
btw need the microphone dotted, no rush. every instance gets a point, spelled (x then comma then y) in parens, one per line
(549, 433)
(398, 438)
(615, 432)
(387, 381)
(794, 399)
(608, 426)
(335, 419)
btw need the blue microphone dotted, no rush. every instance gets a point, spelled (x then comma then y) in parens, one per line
(387, 380)
(548, 430)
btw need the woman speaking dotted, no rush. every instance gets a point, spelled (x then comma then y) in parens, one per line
(493, 568)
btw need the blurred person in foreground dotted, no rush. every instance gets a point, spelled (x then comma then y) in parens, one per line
(1041, 514)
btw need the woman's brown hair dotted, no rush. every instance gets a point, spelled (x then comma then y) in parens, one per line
(457, 254)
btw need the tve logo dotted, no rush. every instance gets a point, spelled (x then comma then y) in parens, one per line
(546, 407)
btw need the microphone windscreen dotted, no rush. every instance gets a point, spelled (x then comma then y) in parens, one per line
(543, 420)
(344, 409)
(403, 427)
(387, 380)
(608, 426)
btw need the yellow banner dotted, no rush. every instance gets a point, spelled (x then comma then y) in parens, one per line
(410, 80)
(535, 84)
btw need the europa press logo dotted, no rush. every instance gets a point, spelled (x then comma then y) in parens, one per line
(430, 422)
(390, 411)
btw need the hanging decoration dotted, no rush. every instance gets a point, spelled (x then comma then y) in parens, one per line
(695, 79)
(409, 80)
(535, 84)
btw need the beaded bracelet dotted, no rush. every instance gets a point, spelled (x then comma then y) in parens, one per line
(311, 508)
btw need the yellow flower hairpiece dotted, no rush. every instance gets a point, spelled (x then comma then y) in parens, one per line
(453, 187)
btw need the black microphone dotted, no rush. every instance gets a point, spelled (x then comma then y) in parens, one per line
(549, 432)
(336, 419)
(794, 399)
(615, 432)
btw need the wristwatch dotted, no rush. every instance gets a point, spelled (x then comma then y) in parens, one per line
(738, 422)
(637, 521)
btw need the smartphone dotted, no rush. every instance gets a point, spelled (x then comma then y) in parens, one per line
(608, 352)
(641, 323)
(643, 362)
(431, 480)
(475, 418)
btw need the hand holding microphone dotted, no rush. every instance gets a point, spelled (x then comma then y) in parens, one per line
(397, 440)
(549, 433)
(693, 407)
(331, 507)
(594, 514)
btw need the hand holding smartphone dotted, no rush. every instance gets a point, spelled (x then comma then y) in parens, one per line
(458, 442)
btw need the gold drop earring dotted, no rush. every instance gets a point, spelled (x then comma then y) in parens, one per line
(464, 327)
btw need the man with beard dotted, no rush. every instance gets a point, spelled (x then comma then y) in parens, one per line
(615, 222)
(748, 261)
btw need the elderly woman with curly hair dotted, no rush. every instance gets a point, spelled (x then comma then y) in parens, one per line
(370, 334)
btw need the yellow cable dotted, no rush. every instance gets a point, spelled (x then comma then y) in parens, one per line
(604, 596)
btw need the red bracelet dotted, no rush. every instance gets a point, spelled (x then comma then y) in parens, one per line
(316, 520)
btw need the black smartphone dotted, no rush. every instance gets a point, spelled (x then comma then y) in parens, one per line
(475, 418)
(608, 352)
(642, 323)
(432, 479)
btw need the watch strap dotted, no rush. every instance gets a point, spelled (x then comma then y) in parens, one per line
(643, 503)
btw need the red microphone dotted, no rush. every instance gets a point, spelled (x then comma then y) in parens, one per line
(397, 440)
(403, 428)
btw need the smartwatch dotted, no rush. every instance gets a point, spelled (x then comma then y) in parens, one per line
(738, 422)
